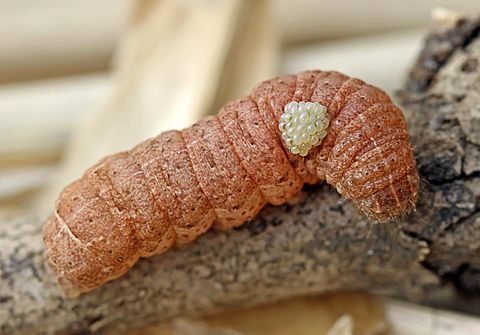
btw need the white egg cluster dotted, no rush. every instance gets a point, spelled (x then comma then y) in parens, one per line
(303, 126)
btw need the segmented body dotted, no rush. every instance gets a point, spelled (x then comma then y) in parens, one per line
(223, 170)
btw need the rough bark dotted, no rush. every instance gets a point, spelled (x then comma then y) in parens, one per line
(319, 244)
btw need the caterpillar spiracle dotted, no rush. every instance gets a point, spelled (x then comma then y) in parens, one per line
(224, 169)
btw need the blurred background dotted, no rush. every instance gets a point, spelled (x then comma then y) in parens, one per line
(82, 79)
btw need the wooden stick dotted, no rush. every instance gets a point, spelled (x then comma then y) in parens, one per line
(36, 119)
(50, 38)
(291, 250)
(410, 319)
(307, 20)
(303, 315)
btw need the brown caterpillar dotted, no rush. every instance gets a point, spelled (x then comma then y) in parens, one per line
(222, 170)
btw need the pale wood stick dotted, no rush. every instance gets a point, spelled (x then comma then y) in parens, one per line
(55, 38)
(36, 118)
(306, 20)
(409, 319)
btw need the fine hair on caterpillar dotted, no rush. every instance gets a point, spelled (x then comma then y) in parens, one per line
(395, 231)
(313, 127)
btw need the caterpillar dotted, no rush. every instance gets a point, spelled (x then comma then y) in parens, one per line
(224, 169)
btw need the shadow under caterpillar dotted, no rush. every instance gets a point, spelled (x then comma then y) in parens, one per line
(223, 170)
